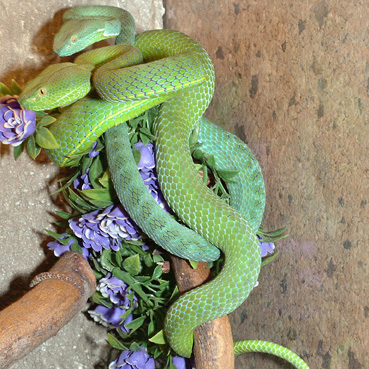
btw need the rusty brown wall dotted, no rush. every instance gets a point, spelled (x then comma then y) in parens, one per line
(292, 80)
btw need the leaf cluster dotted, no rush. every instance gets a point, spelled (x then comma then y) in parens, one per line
(155, 291)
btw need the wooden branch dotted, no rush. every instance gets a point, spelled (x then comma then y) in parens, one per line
(57, 297)
(213, 343)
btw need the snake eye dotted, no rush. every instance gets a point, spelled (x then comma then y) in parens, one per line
(73, 39)
(42, 91)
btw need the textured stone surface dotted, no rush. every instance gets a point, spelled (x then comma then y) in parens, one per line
(26, 35)
(292, 80)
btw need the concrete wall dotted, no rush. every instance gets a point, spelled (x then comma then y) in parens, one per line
(292, 80)
(26, 35)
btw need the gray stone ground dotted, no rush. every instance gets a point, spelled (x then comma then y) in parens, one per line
(26, 35)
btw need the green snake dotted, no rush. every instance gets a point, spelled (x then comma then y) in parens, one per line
(168, 68)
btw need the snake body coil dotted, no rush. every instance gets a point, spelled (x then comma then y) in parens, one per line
(176, 72)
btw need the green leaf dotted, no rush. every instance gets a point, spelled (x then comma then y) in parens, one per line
(210, 160)
(75, 247)
(144, 138)
(32, 148)
(136, 323)
(193, 264)
(135, 347)
(99, 197)
(40, 114)
(137, 155)
(77, 202)
(69, 181)
(158, 338)
(126, 277)
(15, 88)
(227, 175)
(45, 139)
(158, 271)
(4, 90)
(132, 264)
(46, 121)
(105, 180)
(114, 342)
(96, 171)
(157, 258)
(17, 150)
(98, 298)
(106, 260)
(269, 259)
(64, 215)
(148, 261)
(59, 237)
(118, 257)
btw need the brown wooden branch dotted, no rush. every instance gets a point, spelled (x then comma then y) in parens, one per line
(213, 343)
(57, 296)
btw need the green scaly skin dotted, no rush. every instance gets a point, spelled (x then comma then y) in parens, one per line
(241, 347)
(193, 202)
(189, 81)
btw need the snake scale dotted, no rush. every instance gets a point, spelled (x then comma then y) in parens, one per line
(168, 68)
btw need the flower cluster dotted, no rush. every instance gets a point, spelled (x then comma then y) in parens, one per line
(16, 123)
(122, 298)
(133, 360)
(111, 317)
(104, 229)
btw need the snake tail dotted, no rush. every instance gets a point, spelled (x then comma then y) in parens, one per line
(241, 347)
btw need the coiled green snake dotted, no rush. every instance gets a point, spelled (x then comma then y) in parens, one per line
(168, 68)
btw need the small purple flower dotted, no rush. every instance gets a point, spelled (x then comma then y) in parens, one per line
(182, 363)
(116, 290)
(266, 248)
(93, 153)
(147, 160)
(133, 360)
(104, 229)
(82, 181)
(59, 249)
(111, 317)
(16, 123)
(147, 170)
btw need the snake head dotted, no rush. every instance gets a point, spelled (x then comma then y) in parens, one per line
(57, 85)
(77, 34)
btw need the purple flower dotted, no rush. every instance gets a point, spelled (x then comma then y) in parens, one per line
(116, 290)
(82, 182)
(59, 249)
(182, 363)
(266, 248)
(93, 153)
(111, 317)
(16, 123)
(147, 170)
(104, 229)
(147, 160)
(133, 360)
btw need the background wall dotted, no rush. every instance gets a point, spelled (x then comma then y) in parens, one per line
(26, 35)
(292, 80)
